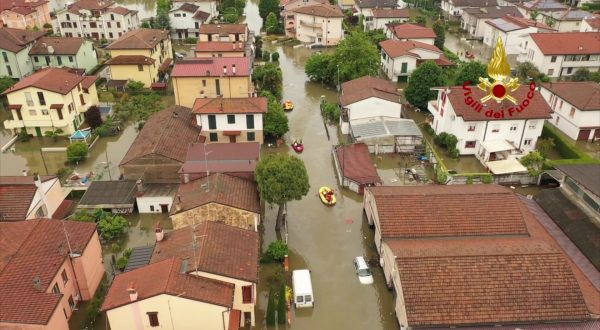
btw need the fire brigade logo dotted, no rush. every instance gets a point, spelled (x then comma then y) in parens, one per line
(499, 70)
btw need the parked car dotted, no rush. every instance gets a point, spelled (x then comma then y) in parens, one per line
(179, 55)
(363, 271)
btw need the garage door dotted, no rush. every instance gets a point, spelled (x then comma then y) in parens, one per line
(584, 135)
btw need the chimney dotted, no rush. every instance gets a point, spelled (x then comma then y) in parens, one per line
(225, 69)
(233, 44)
(140, 187)
(133, 295)
(158, 231)
(24, 172)
(37, 284)
(36, 180)
(233, 69)
(186, 177)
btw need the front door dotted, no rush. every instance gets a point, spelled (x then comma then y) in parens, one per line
(248, 318)
(232, 139)
(38, 132)
(584, 135)
(218, 87)
(164, 208)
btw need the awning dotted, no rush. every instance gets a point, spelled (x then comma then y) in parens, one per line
(15, 106)
(232, 133)
(498, 145)
(57, 106)
(165, 65)
(506, 166)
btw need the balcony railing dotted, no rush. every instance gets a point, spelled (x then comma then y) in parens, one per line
(10, 124)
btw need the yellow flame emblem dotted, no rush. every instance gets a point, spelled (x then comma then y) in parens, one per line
(499, 70)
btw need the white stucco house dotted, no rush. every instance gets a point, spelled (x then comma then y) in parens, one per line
(569, 20)
(77, 53)
(590, 24)
(382, 16)
(473, 19)
(540, 7)
(453, 9)
(207, 6)
(410, 31)
(576, 108)
(512, 30)
(400, 58)
(14, 51)
(155, 197)
(365, 9)
(561, 54)
(186, 21)
(317, 24)
(491, 131)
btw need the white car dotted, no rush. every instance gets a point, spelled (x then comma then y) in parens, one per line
(363, 271)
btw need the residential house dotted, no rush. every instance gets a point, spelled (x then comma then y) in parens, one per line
(354, 167)
(23, 14)
(235, 159)
(365, 8)
(561, 54)
(113, 196)
(346, 4)
(159, 150)
(224, 32)
(453, 9)
(494, 132)
(473, 19)
(590, 24)
(367, 97)
(220, 49)
(382, 17)
(76, 53)
(50, 99)
(155, 197)
(29, 197)
(433, 250)
(318, 24)
(569, 20)
(220, 252)
(384, 134)
(207, 6)
(231, 120)
(409, 31)
(14, 46)
(217, 77)
(576, 108)
(400, 58)
(512, 30)
(46, 268)
(540, 7)
(140, 55)
(186, 21)
(218, 197)
(164, 295)
(289, 16)
(96, 19)
(582, 183)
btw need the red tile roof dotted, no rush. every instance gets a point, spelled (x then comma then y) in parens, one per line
(366, 87)
(224, 29)
(223, 189)
(23, 7)
(165, 277)
(122, 11)
(391, 13)
(39, 249)
(167, 133)
(320, 10)
(222, 158)
(130, 60)
(396, 48)
(584, 95)
(230, 105)
(567, 43)
(441, 61)
(212, 67)
(139, 39)
(58, 80)
(91, 4)
(16, 196)
(356, 164)
(220, 249)
(64, 209)
(448, 211)
(201, 15)
(188, 7)
(594, 22)
(60, 46)
(235, 317)
(220, 46)
(538, 108)
(15, 40)
(411, 31)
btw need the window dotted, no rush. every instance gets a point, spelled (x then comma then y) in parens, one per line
(527, 142)
(32, 112)
(29, 99)
(68, 17)
(151, 208)
(71, 59)
(64, 276)
(471, 128)
(550, 72)
(496, 130)
(55, 289)
(153, 318)
(553, 59)
(203, 82)
(45, 112)
(513, 127)
(212, 122)
(71, 302)
(112, 18)
(177, 15)
(140, 67)
(59, 60)
(470, 144)
(65, 311)
(60, 115)
(230, 119)
(36, 59)
(532, 125)
(119, 26)
(81, 99)
(93, 25)
(9, 70)
(561, 104)
(41, 98)
(572, 113)
(247, 294)
(569, 70)
(5, 56)
(213, 137)
(251, 136)
(250, 121)
(183, 15)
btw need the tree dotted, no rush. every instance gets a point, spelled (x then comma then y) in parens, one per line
(230, 15)
(277, 250)
(139, 107)
(526, 71)
(376, 36)
(419, 19)
(355, 57)
(582, 74)
(93, 117)
(145, 25)
(162, 21)
(135, 86)
(77, 151)
(418, 92)
(109, 225)
(275, 121)
(265, 7)
(544, 146)
(320, 68)
(269, 78)
(550, 21)
(6, 82)
(54, 134)
(275, 57)
(272, 24)
(281, 178)
(331, 111)
(271, 309)
(470, 72)
(534, 14)
(440, 34)
(281, 306)
(534, 162)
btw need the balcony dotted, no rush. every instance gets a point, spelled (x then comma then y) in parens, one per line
(10, 124)
(310, 24)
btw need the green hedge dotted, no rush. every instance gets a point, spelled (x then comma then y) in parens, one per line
(566, 148)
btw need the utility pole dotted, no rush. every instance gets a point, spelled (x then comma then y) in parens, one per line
(107, 165)
(44, 162)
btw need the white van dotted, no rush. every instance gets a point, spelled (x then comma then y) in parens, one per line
(302, 286)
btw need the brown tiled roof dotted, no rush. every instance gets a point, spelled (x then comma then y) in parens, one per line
(122, 11)
(587, 175)
(584, 95)
(190, 8)
(220, 46)
(130, 60)
(223, 28)
(14, 40)
(21, 6)
(167, 133)
(441, 61)
(230, 105)
(412, 31)
(220, 249)
(473, 3)
(355, 161)
(320, 10)
(165, 277)
(58, 80)
(201, 15)
(91, 4)
(376, 3)
(448, 211)
(60, 45)
(567, 43)
(139, 39)
(493, 12)
(16, 195)
(396, 48)
(39, 251)
(223, 158)
(391, 13)
(366, 87)
(538, 108)
(594, 22)
(223, 189)
(89, 81)
(235, 317)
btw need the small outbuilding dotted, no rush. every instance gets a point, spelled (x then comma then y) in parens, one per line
(155, 197)
(116, 196)
(387, 134)
(355, 168)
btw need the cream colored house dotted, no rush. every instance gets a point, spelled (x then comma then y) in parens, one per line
(224, 32)
(164, 295)
(14, 51)
(223, 253)
(220, 49)
(50, 99)
(317, 24)
(23, 14)
(140, 55)
(225, 77)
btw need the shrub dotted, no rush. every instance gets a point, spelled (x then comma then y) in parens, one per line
(281, 306)
(487, 179)
(453, 153)
(135, 86)
(275, 57)
(77, 152)
(62, 173)
(190, 41)
(429, 129)
(271, 309)
(331, 112)
(112, 226)
(93, 117)
(115, 247)
(277, 250)
(469, 180)
(266, 56)
(441, 175)
(440, 139)
(566, 149)
(450, 142)
(24, 136)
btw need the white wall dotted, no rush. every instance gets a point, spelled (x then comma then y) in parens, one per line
(373, 107)
(144, 203)
(562, 119)
(379, 23)
(240, 122)
(392, 67)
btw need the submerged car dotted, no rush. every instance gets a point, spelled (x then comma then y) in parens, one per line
(363, 271)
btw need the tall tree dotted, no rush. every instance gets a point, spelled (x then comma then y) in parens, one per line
(6, 82)
(281, 305)
(275, 121)
(268, 6)
(320, 68)
(272, 24)
(269, 78)
(470, 71)
(355, 57)
(93, 117)
(440, 34)
(418, 92)
(271, 308)
(281, 178)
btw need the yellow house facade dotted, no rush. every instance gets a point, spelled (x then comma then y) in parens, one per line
(50, 99)
(133, 67)
(223, 32)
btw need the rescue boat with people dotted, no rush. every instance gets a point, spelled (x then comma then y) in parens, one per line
(298, 146)
(327, 196)
(288, 105)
